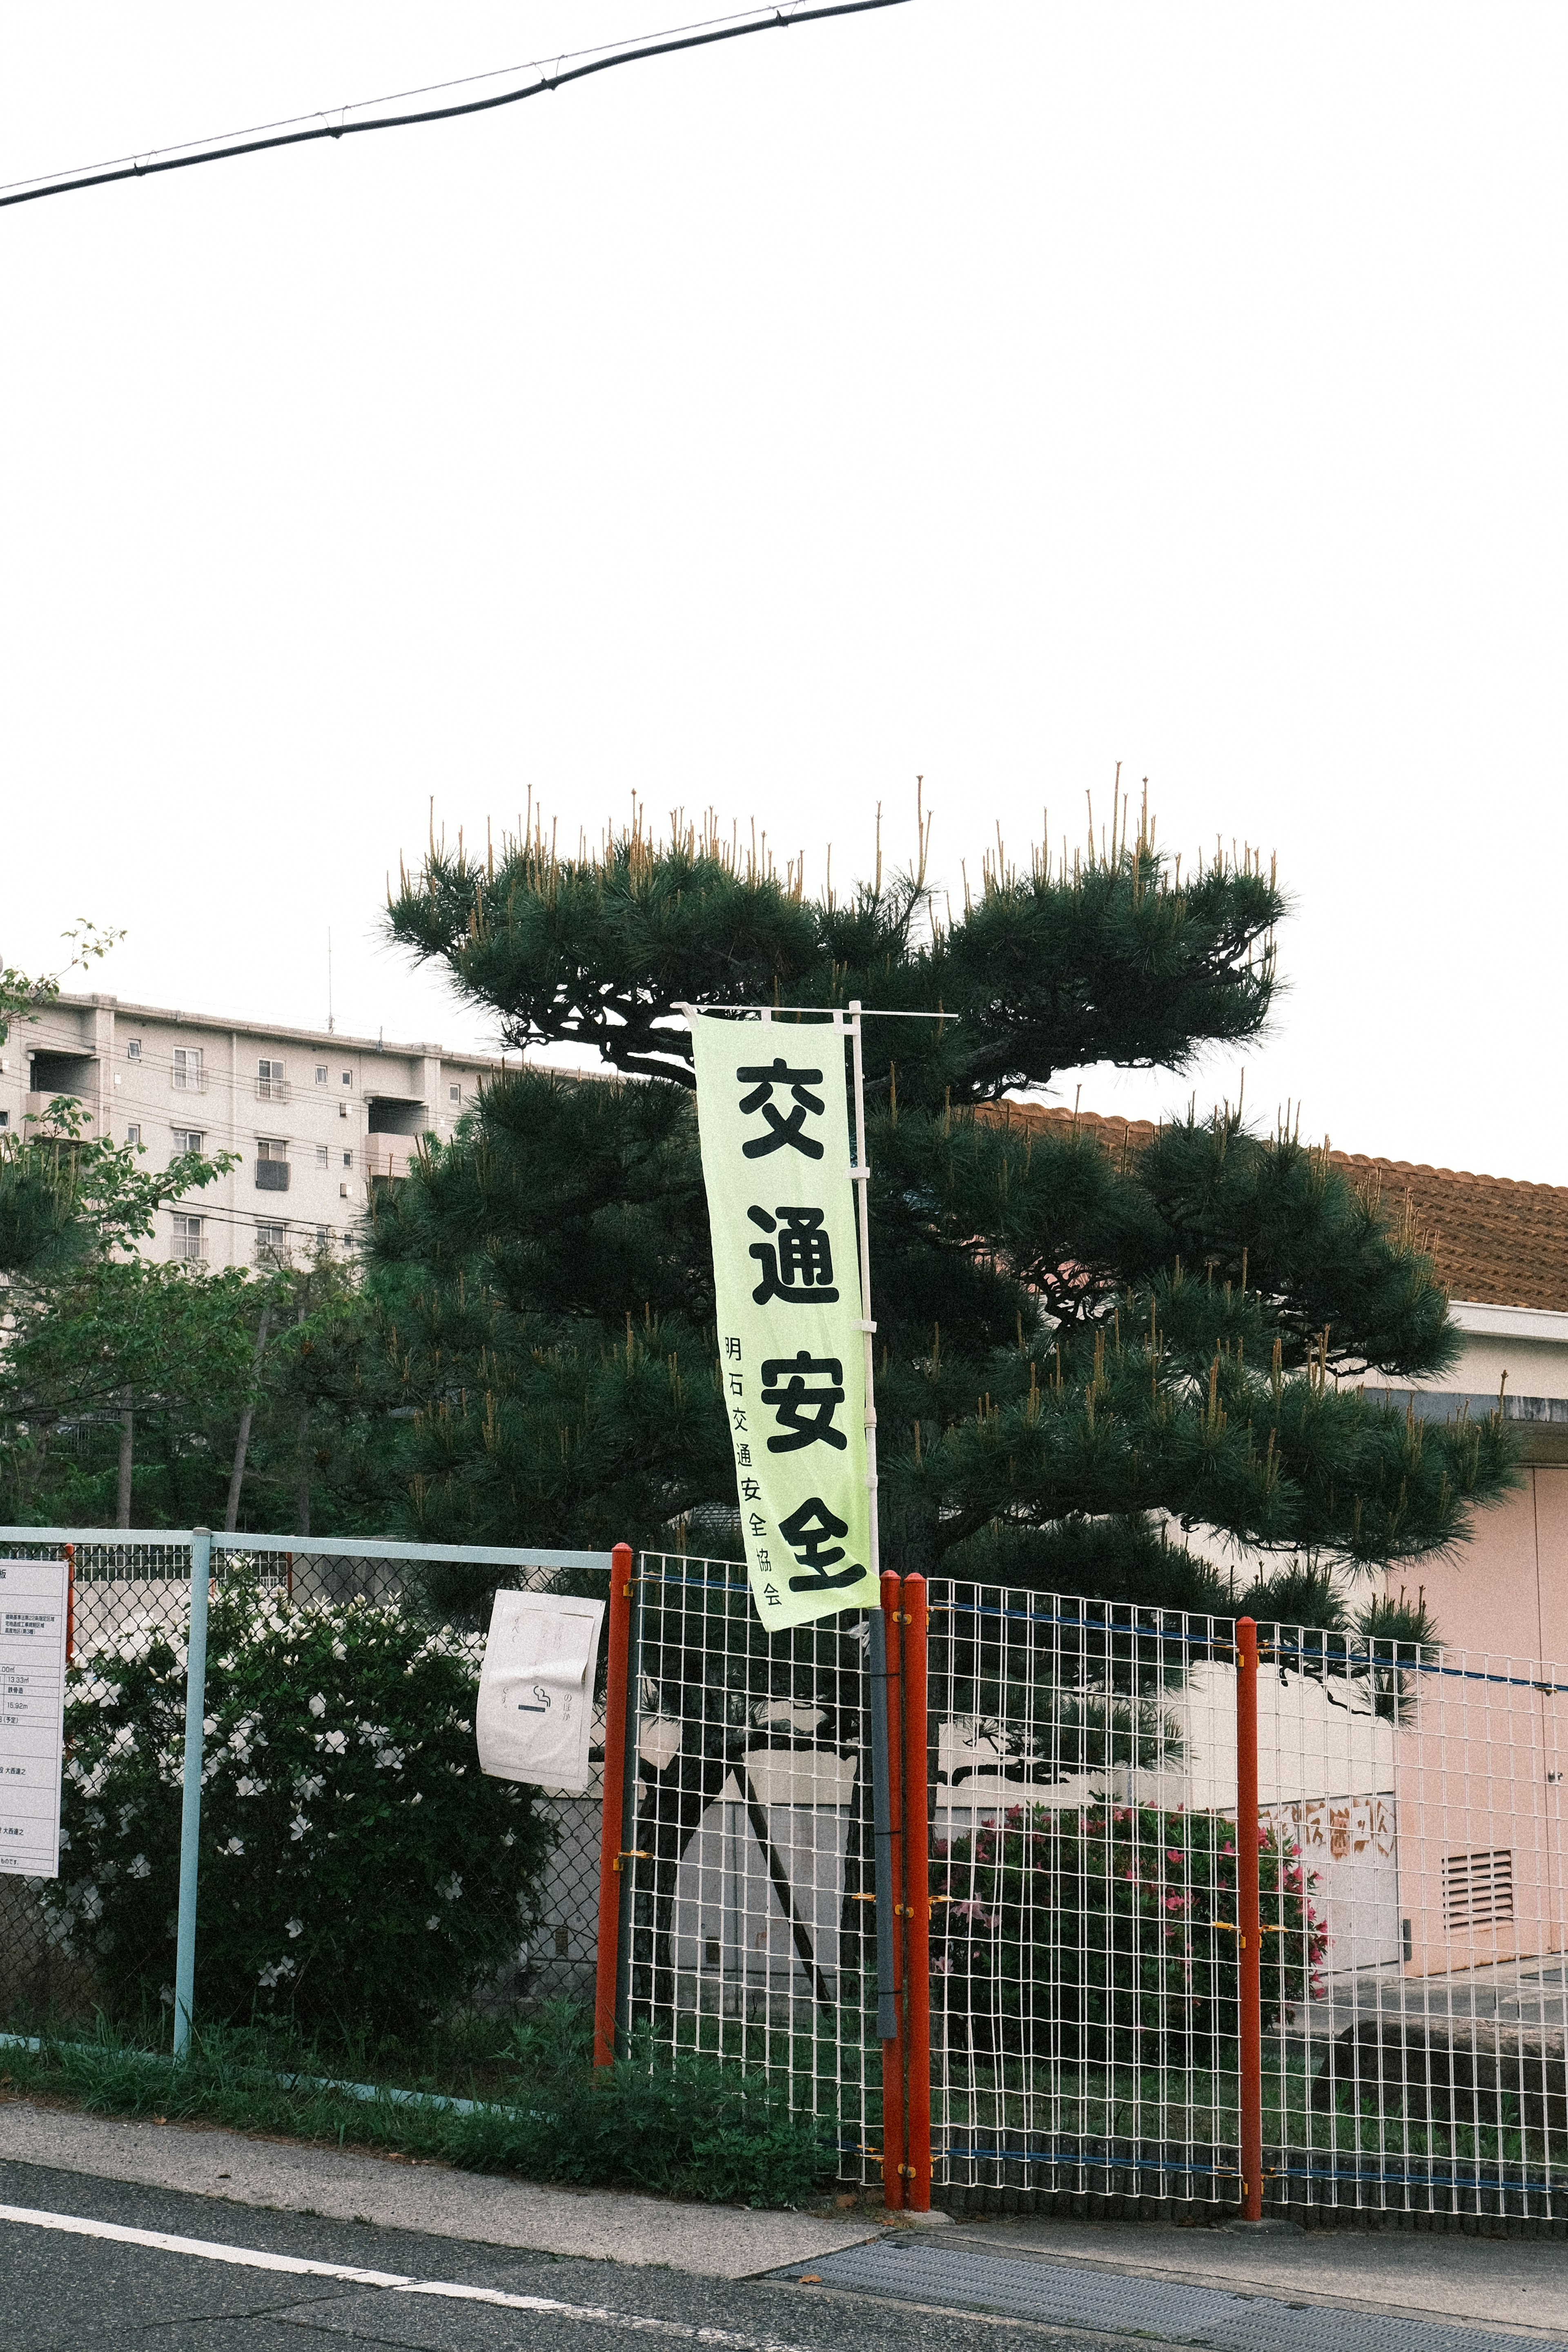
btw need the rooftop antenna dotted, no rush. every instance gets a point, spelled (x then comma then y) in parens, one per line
(328, 980)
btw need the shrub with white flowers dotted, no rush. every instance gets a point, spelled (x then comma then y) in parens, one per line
(357, 1868)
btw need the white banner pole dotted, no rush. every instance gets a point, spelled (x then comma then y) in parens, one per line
(861, 1174)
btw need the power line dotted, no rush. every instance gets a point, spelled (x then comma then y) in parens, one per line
(576, 67)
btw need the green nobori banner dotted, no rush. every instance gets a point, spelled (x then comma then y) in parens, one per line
(776, 1162)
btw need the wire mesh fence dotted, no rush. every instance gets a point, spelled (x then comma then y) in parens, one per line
(129, 1592)
(748, 1888)
(1084, 1926)
(1086, 1967)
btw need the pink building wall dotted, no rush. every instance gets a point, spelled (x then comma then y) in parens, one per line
(1479, 1770)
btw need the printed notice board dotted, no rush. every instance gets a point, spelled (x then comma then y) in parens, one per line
(33, 1595)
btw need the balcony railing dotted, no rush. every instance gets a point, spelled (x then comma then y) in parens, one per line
(272, 1175)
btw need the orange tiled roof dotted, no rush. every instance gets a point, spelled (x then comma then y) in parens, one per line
(1496, 1240)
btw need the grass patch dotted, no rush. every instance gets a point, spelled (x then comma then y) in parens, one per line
(689, 2127)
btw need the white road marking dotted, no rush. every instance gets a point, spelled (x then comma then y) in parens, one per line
(250, 2257)
(257, 2258)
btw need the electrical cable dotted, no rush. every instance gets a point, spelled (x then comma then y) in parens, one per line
(222, 149)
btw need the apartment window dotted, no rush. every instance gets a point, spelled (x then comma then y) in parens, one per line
(271, 1086)
(342, 1110)
(271, 1242)
(347, 1078)
(188, 1075)
(187, 1139)
(271, 1164)
(324, 1237)
(455, 1094)
(5, 1121)
(348, 1159)
(133, 1049)
(188, 1238)
(133, 1134)
(323, 1073)
(322, 1155)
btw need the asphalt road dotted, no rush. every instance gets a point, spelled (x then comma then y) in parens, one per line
(61, 2289)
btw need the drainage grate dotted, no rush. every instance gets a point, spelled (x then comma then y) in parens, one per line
(1118, 2306)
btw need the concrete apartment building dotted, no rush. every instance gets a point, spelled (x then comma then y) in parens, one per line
(316, 1119)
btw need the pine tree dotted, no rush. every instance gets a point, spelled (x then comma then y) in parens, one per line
(1085, 1353)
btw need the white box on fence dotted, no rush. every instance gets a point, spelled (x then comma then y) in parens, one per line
(535, 1710)
(34, 1596)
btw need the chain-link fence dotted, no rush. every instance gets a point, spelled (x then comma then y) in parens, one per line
(128, 1590)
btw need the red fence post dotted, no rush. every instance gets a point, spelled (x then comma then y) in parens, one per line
(606, 1956)
(1248, 1920)
(917, 1899)
(70, 1602)
(894, 2122)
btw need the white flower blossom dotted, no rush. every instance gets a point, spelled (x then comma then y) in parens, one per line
(235, 1845)
(304, 1790)
(249, 1788)
(139, 1868)
(433, 1920)
(271, 1976)
(318, 1705)
(334, 1742)
(294, 1927)
(451, 1890)
(339, 1652)
(297, 1828)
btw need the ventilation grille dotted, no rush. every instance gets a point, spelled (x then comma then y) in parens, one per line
(1478, 1889)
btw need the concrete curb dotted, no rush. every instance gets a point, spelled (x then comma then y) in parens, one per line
(399, 2193)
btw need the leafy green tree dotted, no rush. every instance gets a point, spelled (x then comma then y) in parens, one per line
(323, 1446)
(96, 1334)
(42, 1220)
(1083, 1355)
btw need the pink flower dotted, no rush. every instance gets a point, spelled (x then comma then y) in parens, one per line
(1171, 1854)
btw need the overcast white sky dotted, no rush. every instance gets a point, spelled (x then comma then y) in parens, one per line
(985, 388)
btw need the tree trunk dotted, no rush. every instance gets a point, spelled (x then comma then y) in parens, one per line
(242, 1443)
(302, 1433)
(302, 1492)
(127, 1454)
